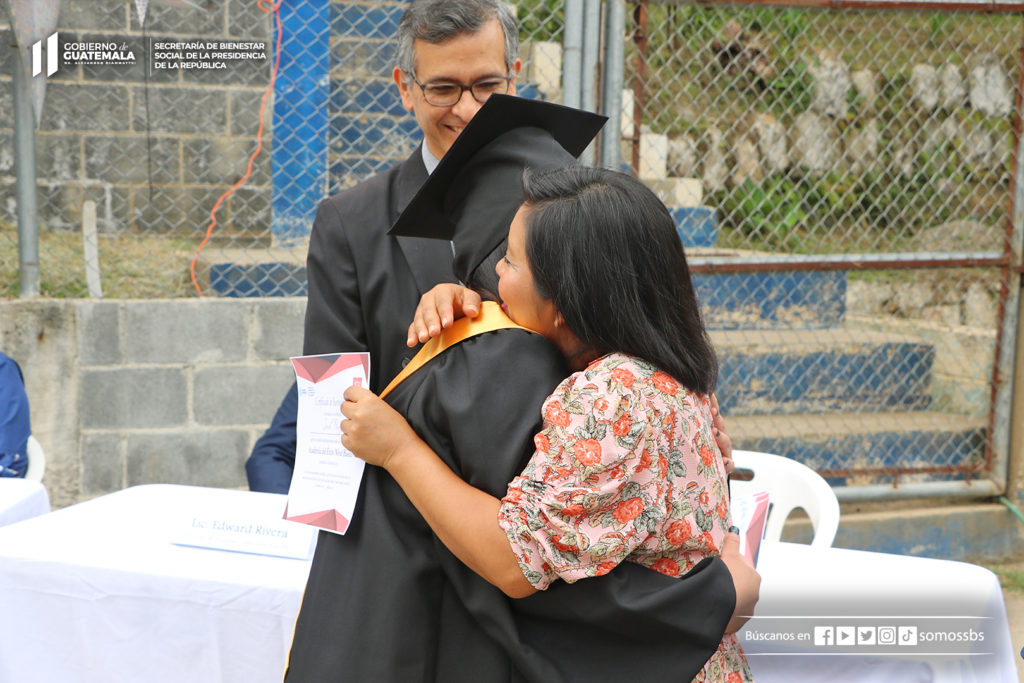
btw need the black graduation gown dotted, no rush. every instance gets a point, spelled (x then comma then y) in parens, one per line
(388, 602)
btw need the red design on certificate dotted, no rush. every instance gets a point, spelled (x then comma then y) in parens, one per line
(326, 477)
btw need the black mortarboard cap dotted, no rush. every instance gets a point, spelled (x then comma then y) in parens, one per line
(473, 194)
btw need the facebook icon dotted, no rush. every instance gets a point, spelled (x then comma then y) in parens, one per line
(824, 635)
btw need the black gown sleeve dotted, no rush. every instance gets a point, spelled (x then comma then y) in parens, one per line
(334, 315)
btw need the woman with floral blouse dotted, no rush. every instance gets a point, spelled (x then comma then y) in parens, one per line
(626, 467)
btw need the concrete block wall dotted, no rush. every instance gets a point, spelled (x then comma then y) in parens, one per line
(156, 149)
(134, 392)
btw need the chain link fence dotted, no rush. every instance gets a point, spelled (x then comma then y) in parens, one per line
(860, 164)
(151, 139)
(842, 180)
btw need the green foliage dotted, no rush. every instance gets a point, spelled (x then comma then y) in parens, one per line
(770, 213)
(541, 20)
(938, 28)
(792, 89)
(790, 23)
(686, 90)
(698, 26)
(1011, 576)
(804, 213)
(133, 266)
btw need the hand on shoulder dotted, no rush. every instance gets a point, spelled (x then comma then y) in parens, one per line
(439, 308)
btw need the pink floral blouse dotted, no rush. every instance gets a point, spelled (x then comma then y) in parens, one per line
(625, 468)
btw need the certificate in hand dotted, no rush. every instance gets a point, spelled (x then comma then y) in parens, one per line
(326, 477)
(750, 513)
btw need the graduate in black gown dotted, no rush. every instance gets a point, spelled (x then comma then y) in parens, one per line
(387, 601)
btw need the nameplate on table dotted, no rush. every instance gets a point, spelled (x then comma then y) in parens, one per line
(279, 538)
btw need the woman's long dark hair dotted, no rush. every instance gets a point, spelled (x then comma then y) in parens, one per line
(604, 248)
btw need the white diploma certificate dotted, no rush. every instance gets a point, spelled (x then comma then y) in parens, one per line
(326, 479)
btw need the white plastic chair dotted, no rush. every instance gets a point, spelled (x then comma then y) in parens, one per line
(36, 460)
(790, 485)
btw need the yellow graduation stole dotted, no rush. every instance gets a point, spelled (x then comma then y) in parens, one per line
(491, 318)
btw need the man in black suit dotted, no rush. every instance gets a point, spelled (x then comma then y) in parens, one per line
(363, 284)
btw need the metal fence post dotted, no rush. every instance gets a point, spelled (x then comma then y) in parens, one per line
(611, 81)
(1008, 395)
(591, 51)
(25, 162)
(572, 64)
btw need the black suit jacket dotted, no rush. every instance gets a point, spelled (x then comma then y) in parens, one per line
(363, 290)
(364, 284)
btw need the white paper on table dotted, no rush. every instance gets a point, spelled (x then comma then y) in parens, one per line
(326, 479)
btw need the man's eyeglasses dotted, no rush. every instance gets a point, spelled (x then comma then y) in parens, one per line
(447, 94)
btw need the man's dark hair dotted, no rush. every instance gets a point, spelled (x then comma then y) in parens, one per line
(437, 21)
(605, 250)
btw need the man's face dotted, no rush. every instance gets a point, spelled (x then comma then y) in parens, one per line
(464, 60)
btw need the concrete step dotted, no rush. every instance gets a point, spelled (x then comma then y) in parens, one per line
(252, 272)
(766, 372)
(697, 225)
(758, 300)
(732, 301)
(973, 532)
(841, 442)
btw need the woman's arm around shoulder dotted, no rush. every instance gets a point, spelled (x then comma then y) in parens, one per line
(463, 517)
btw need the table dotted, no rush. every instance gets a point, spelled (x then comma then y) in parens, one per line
(96, 592)
(21, 499)
(815, 592)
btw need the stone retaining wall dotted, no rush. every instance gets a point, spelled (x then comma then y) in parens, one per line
(950, 110)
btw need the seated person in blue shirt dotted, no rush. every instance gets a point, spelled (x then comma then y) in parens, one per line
(269, 467)
(15, 426)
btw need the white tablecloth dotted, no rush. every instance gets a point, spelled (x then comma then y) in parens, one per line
(955, 609)
(95, 592)
(21, 499)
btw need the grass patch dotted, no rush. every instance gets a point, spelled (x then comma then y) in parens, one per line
(131, 266)
(1011, 576)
